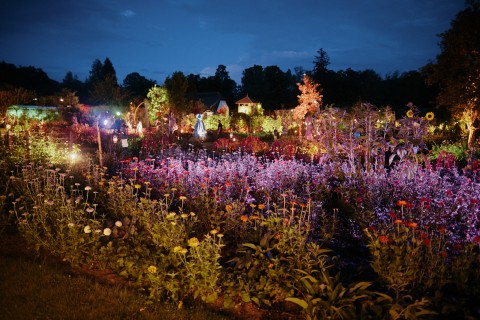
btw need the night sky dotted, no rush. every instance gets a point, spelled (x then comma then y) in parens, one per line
(157, 38)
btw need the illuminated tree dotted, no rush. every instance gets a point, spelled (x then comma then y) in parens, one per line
(159, 103)
(309, 100)
(457, 69)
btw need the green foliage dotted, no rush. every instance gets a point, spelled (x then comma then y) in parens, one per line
(240, 122)
(159, 106)
(457, 149)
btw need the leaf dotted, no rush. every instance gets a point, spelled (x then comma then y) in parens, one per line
(250, 245)
(302, 303)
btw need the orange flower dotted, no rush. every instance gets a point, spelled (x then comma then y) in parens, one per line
(413, 225)
(228, 207)
(398, 221)
(402, 203)
(254, 217)
(383, 239)
(261, 206)
(244, 218)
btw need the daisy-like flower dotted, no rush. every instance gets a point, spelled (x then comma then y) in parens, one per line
(244, 218)
(88, 188)
(214, 231)
(118, 224)
(71, 225)
(87, 229)
(90, 209)
(193, 242)
(107, 231)
(177, 249)
(410, 113)
(152, 269)
(429, 116)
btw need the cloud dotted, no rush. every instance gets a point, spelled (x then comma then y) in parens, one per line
(128, 13)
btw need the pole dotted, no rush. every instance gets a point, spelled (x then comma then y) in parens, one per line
(99, 140)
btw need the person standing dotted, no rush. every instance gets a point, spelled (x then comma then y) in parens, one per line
(219, 129)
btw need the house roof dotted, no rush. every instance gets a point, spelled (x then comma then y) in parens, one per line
(209, 99)
(245, 100)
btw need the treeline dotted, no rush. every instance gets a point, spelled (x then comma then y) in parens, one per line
(275, 88)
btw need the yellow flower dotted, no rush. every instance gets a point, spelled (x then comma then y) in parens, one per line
(261, 206)
(429, 116)
(410, 113)
(193, 242)
(171, 216)
(152, 269)
(177, 249)
(214, 231)
(183, 198)
(137, 186)
(228, 207)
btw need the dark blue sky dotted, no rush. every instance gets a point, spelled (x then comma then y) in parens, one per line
(157, 38)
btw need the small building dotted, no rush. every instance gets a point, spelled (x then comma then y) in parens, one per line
(248, 106)
(213, 102)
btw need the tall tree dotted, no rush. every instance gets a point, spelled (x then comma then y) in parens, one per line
(137, 85)
(103, 85)
(177, 86)
(253, 82)
(457, 68)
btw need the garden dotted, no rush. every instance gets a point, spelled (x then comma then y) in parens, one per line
(351, 215)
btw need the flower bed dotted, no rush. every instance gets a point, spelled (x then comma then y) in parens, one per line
(251, 229)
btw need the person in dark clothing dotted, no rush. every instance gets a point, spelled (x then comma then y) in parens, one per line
(219, 129)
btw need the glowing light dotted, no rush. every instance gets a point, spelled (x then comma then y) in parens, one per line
(105, 122)
(73, 156)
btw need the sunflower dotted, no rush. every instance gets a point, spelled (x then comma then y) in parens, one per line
(410, 113)
(429, 116)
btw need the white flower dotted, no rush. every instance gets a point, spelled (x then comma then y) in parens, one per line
(107, 231)
(87, 229)
(118, 224)
(71, 225)
(88, 188)
(98, 231)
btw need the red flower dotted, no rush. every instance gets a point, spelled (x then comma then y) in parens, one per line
(427, 242)
(442, 228)
(383, 239)
(476, 239)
